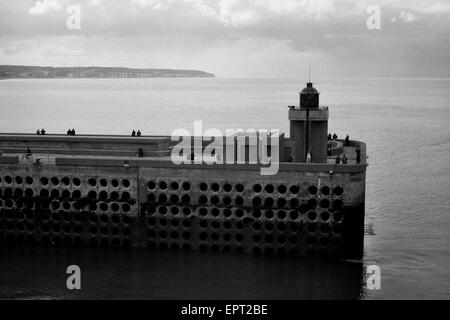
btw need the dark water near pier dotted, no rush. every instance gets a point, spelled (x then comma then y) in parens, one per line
(405, 123)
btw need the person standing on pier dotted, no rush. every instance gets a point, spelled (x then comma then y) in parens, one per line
(358, 155)
(139, 133)
(133, 133)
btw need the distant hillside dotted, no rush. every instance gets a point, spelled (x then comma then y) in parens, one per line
(26, 72)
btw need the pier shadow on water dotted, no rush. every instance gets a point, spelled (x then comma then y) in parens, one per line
(39, 272)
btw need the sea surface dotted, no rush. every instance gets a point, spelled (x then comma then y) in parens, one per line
(405, 123)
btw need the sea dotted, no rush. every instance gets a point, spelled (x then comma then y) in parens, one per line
(405, 123)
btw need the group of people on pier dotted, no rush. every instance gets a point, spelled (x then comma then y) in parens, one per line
(136, 133)
(71, 132)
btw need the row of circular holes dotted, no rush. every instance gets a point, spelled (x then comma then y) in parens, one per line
(239, 238)
(239, 213)
(238, 225)
(67, 229)
(66, 181)
(76, 194)
(239, 201)
(257, 188)
(68, 240)
(67, 217)
(67, 205)
(163, 245)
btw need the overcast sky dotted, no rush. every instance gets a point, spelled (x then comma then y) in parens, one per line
(233, 38)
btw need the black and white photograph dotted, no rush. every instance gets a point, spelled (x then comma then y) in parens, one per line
(210, 152)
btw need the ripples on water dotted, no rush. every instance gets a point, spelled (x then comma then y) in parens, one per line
(403, 121)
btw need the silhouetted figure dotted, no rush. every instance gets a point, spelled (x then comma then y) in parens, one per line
(338, 160)
(329, 136)
(73, 131)
(139, 133)
(133, 133)
(308, 157)
(347, 141)
(38, 132)
(69, 132)
(335, 136)
(344, 159)
(289, 158)
(42, 131)
(358, 155)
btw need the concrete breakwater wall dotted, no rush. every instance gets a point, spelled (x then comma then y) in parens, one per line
(306, 209)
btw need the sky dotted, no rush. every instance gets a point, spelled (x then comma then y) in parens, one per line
(233, 38)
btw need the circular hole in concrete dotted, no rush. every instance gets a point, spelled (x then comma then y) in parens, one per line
(324, 216)
(324, 203)
(174, 210)
(282, 189)
(281, 203)
(186, 211)
(257, 188)
(103, 182)
(215, 200)
(151, 185)
(312, 190)
(29, 180)
(186, 199)
(268, 202)
(126, 183)
(293, 214)
(162, 198)
(202, 199)
(239, 201)
(281, 214)
(239, 187)
(312, 215)
(269, 188)
(76, 182)
(325, 190)
(203, 186)
(215, 212)
(338, 191)
(44, 181)
(76, 194)
(227, 187)
(256, 202)
(215, 187)
(227, 213)
(227, 200)
(239, 213)
(186, 186)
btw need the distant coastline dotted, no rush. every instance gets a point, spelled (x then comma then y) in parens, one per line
(35, 72)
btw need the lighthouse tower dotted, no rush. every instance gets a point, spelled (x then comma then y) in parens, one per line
(309, 127)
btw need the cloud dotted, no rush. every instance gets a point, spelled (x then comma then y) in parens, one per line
(41, 7)
(219, 35)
